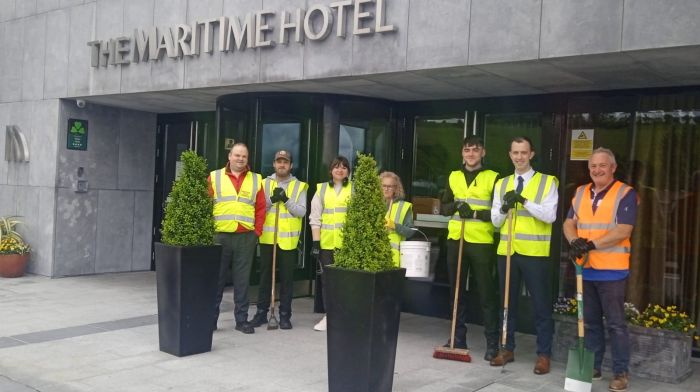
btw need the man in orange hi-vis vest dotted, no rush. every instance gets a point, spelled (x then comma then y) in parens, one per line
(598, 227)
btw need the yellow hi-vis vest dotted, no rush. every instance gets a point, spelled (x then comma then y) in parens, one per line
(593, 226)
(288, 226)
(479, 196)
(233, 208)
(532, 236)
(335, 208)
(398, 212)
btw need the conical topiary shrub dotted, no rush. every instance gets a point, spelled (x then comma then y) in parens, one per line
(189, 210)
(366, 243)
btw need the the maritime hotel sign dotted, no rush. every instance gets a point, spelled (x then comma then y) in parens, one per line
(260, 29)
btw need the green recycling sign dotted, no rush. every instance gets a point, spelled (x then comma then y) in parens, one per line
(77, 134)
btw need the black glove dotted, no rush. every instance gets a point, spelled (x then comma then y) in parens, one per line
(509, 200)
(278, 194)
(580, 246)
(465, 211)
(315, 249)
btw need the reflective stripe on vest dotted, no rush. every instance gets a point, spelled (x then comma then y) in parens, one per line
(335, 208)
(532, 236)
(289, 226)
(593, 226)
(479, 196)
(232, 208)
(397, 214)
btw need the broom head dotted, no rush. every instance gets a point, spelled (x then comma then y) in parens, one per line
(453, 354)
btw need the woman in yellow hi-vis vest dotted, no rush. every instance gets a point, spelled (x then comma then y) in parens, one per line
(328, 210)
(399, 214)
(533, 197)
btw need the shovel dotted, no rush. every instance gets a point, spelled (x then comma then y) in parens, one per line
(579, 366)
(272, 323)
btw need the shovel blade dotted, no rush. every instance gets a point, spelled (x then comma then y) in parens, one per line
(579, 370)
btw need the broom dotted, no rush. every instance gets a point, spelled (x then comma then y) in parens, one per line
(272, 323)
(452, 353)
(506, 294)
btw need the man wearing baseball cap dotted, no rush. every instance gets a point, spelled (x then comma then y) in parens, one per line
(285, 193)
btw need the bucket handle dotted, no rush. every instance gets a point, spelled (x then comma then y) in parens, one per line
(424, 236)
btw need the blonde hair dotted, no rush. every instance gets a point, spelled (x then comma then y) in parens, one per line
(398, 192)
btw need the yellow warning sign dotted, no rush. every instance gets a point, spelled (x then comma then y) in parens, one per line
(581, 144)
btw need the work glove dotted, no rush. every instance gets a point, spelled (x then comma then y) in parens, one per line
(316, 249)
(389, 224)
(465, 211)
(580, 246)
(509, 200)
(278, 194)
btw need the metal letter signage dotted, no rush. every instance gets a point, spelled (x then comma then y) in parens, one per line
(77, 136)
(16, 147)
(257, 29)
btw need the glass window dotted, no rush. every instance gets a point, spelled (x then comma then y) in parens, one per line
(438, 153)
(351, 140)
(364, 126)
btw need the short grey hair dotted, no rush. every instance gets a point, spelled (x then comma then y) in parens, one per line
(606, 151)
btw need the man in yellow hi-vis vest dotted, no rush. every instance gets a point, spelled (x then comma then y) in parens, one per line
(328, 210)
(239, 213)
(533, 197)
(286, 193)
(468, 196)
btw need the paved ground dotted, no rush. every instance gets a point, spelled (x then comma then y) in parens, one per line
(99, 333)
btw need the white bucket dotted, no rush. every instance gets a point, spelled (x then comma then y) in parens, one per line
(415, 257)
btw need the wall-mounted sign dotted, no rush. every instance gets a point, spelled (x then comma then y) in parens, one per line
(260, 29)
(16, 147)
(77, 138)
(581, 144)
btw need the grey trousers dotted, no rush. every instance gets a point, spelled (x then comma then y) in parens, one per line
(237, 249)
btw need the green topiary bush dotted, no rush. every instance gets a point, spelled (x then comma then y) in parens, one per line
(189, 219)
(365, 240)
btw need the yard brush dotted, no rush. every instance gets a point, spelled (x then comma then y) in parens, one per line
(452, 353)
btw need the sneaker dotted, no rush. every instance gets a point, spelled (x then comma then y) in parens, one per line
(597, 375)
(321, 325)
(259, 319)
(245, 327)
(619, 383)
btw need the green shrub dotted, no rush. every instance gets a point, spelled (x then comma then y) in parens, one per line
(189, 219)
(365, 240)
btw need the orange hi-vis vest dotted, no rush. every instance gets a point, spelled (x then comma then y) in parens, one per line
(593, 226)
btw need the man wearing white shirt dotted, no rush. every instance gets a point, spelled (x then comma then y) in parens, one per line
(533, 197)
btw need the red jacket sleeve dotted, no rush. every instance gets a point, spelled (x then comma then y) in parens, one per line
(260, 211)
(209, 187)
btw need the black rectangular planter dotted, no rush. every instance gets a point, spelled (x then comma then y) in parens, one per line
(187, 279)
(364, 309)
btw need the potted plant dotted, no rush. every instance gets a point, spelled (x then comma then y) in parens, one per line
(364, 293)
(14, 252)
(658, 332)
(187, 263)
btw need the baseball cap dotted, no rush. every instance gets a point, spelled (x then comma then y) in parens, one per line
(283, 154)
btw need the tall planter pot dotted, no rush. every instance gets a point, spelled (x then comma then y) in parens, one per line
(14, 265)
(655, 354)
(187, 279)
(364, 309)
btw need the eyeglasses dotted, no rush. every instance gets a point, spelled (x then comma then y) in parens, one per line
(388, 186)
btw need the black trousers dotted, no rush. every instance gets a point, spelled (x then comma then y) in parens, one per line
(324, 258)
(237, 250)
(480, 260)
(286, 260)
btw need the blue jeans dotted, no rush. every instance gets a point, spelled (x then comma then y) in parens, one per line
(537, 274)
(606, 299)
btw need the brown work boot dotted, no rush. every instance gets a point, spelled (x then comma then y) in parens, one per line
(503, 357)
(619, 383)
(542, 365)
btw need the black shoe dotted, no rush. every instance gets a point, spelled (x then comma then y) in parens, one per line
(258, 320)
(285, 323)
(462, 344)
(491, 353)
(245, 327)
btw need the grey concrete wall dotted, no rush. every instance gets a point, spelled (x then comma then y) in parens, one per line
(28, 189)
(47, 57)
(107, 229)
